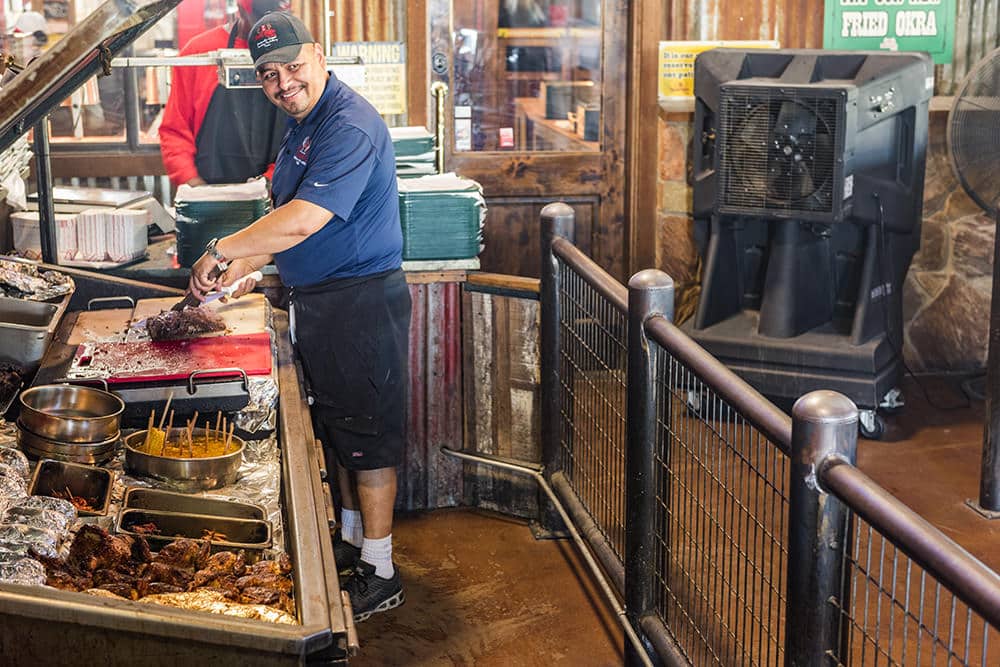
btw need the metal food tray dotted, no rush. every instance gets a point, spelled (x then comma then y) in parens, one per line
(239, 533)
(83, 481)
(26, 327)
(140, 498)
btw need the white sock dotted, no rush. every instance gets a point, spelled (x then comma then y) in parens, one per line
(379, 553)
(351, 529)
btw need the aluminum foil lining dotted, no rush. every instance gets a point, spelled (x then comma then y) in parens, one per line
(25, 281)
(216, 603)
(261, 413)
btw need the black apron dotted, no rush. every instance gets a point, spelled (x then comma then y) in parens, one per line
(240, 135)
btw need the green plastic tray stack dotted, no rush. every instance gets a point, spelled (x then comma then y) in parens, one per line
(414, 148)
(209, 211)
(442, 217)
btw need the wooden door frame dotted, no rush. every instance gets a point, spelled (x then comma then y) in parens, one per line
(648, 20)
(611, 250)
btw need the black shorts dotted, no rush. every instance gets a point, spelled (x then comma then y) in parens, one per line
(352, 336)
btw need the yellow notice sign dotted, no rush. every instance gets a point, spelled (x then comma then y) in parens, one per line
(384, 80)
(676, 70)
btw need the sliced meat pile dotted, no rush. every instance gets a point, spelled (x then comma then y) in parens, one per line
(123, 565)
(174, 324)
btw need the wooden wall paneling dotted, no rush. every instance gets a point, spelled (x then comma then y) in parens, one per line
(500, 364)
(501, 385)
(512, 236)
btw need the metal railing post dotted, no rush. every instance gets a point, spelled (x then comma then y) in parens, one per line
(650, 293)
(824, 429)
(557, 221)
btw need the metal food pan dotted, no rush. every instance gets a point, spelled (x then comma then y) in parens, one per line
(83, 481)
(239, 533)
(26, 327)
(154, 499)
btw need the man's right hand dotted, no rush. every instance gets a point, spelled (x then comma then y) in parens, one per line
(197, 180)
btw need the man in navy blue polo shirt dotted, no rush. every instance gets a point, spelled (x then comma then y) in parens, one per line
(335, 236)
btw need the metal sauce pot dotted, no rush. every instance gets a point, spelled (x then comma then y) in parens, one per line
(185, 474)
(69, 413)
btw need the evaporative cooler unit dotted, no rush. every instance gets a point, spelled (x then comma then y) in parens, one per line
(808, 188)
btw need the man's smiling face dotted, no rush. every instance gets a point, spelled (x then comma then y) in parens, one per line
(295, 87)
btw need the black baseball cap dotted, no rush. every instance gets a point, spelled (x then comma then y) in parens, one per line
(277, 38)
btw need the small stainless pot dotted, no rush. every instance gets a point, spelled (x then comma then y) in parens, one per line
(69, 413)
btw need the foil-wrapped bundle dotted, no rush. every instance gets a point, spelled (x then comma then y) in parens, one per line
(27, 571)
(216, 603)
(17, 480)
(52, 520)
(59, 505)
(21, 537)
(15, 459)
(25, 281)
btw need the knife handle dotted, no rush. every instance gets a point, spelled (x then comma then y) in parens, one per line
(190, 299)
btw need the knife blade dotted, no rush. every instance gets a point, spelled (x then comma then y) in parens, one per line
(190, 299)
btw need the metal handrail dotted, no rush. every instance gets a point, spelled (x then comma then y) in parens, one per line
(966, 576)
(759, 411)
(594, 275)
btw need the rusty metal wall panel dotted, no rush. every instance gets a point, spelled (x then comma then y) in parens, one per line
(357, 21)
(427, 479)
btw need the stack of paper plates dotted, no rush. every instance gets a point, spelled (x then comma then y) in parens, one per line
(414, 148)
(442, 217)
(210, 211)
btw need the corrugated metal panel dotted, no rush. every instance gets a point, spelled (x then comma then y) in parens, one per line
(358, 21)
(427, 479)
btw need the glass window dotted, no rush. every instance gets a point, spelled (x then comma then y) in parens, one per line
(527, 75)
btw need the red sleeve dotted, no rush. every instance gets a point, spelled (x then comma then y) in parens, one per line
(191, 90)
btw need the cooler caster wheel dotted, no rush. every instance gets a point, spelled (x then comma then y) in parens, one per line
(870, 425)
(893, 402)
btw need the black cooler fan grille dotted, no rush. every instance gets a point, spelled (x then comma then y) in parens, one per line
(778, 151)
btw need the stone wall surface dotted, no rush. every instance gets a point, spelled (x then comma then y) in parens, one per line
(946, 297)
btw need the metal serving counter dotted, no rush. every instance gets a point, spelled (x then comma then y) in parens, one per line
(42, 625)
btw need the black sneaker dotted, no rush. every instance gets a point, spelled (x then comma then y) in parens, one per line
(345, 554)
(370, 593)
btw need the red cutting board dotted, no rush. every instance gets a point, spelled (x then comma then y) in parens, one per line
(146, 361)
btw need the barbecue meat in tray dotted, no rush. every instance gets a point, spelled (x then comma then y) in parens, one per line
(185, 573)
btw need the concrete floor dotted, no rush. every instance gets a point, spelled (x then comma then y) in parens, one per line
(481, 590)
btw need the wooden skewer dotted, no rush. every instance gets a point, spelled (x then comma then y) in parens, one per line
(229, 438)
(166, 407)
(218, 419)
(166, 434)
(149, 431)
(208, 432)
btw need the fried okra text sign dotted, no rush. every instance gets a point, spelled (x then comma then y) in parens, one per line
(891, 25)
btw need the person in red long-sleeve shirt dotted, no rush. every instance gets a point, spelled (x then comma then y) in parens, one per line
(213, 134)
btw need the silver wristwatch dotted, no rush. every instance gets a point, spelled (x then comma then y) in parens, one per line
(210, 249)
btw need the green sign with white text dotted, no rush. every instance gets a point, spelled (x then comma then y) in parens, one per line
(891, 25)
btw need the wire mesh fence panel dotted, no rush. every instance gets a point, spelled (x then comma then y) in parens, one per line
(722, 514)
(893, 612)
(592, 369)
